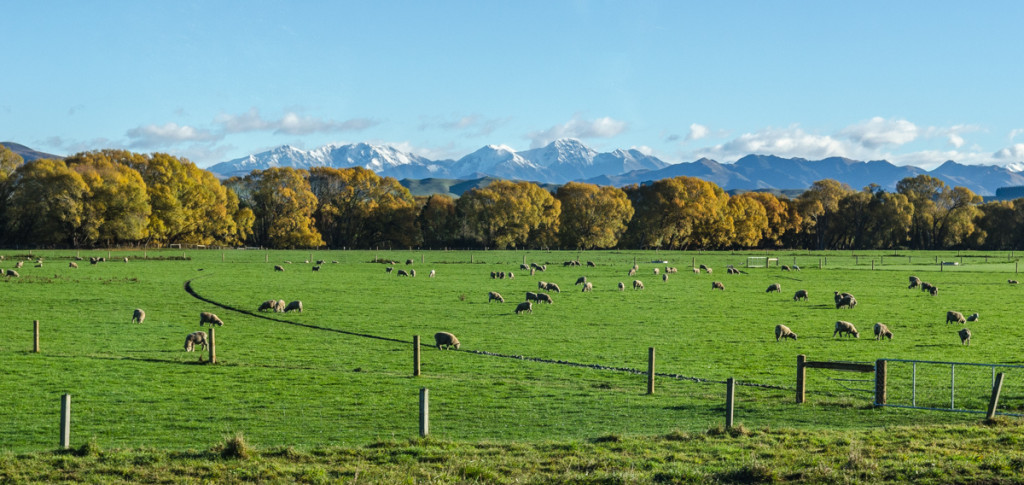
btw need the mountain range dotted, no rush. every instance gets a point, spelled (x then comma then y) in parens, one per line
(570, 160)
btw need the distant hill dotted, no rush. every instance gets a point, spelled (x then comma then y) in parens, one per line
(26, 153)
(453, 187)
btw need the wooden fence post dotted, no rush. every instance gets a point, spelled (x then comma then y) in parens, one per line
(872, 265)
(994, 402)
(650, 370)
(65, 421)
(881, 378)
(35, 336)
(424, 412)
(213, 346)
(801, 378)
(415, 355)
(730, 401)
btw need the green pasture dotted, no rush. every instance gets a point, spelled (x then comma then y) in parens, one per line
(319, 378)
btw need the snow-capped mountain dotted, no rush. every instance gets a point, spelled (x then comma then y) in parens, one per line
(384, 160)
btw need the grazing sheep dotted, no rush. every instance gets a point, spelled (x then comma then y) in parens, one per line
(316, 268)
(279, 306)
(775, 287)
(207, 317)
(530, 296)
(703, 267)
(1012, 282)
(845, 327)
(412, 273)
(925, 286)
(195, 338)
(13, 274)
(126, 259)
(102, 260)
(286, 262)
(402, 272)
(957, 317)
(965, 336)
(914, 282)
(782, 331)
(93, 260)
(534, 265)
(590, 264)
(295, 305)
(543, 267)
(933, 291)
(495, 296)
(709, 270)
(19, 264)
(785, 268)
(320, 262)
(632, 272)
(408, 261)
(840, 296)
(695, 271)
(278, 267)
(796, 268)
(847, 301)
(881, 331)
(39, 265)
(267, 305)
(445, 340)
(138, 316)
(432, 274)
(638, 285)
(532, 271)
(655, 270)
(973, 318)
(553, 287)
(524, 307)
(717, 285)
(524, 267)
(494, 275)
(72, 265)
(581, 280)
(588, 286)
(501, 275)
(800, 295)
(664, 277)
(544, 297)
(622, 286)
(542, 285)
(511, 276)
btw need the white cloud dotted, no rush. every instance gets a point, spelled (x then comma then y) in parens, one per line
(646, 150)
(697, 131)
(605, 127)
(473, 125)
(956, 140)
(878, 132)
(152, 136)
(789, 142)
(1015, 132)
(1014, 152)
(290, 123)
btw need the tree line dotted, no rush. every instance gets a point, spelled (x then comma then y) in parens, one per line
(121, 198)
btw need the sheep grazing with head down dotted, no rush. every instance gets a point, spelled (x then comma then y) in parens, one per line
(278, 267)
(581, 280)
(588, 286)
(72, 265)
(553, 287)
(445, 340)
(622, 286)
(1012, 282)
(19, 264)
(524, 307)
(432, 274)
(845, 327)
(695, 271)
(13, 274)
(847, 301)
(926, 286)
(138, 316)
(785, 267)
(632, 272)
(965, 336)
(655, 270)
(774, 288)
(524, 267)
(590, 264)
(882, 332)
(638, 285)
(544, 297)
(195, 338)
(717, 285)
(207, 317)
(973, 318)
(955, 317)
(279, 306)
(933, 291)
(914, 282)
(542, 285)
(408, 261)
(294, 306)
(316, 268)
(267, 305)
(402, 272)
(530, 296)
(782, 331)
(412, 273)
(494, 296)
(800, 295)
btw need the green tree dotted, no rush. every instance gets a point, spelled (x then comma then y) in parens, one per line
(282, 205)
(821, 202)
(358, 208)
(592, 216)
(438, 221)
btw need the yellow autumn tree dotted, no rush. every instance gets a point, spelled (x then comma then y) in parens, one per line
(592, 216)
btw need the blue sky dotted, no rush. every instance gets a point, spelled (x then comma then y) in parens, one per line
(911, 82)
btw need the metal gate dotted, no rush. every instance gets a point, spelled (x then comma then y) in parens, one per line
(962, 387)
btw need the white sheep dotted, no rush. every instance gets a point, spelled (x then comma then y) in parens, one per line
(882, 331)
(278, 267)
(494, 296)
(195, 338)
(1012, 282)
(553, 287)
(696, 271)
(717, 285)
(267, 305)
(279, 306)
(524, 307)
(664, 277)
(530, 296)
(389, 269)
(973, 318)
(72, 265)
(622, 286)
(914, 282)
(588, 286)
(956, 317)
(847, 301)
(138, 316)
(782, 331)
(542, 285)
(402, 272)
(544, 297)
(845, 327)
(412, 273)
(445, 340)
(638, 285)
(965, 336)
(581, 280)
(775, 287)
(655, 270)
(13, 274)
(432, 274)
(632, 272)
(295, 305)
(800, 295)
(207, 317)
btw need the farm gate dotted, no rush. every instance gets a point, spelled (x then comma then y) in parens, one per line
(952, 386)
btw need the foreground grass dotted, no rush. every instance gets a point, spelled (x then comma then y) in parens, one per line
(981, 453)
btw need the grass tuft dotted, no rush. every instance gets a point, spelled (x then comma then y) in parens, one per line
(236, 447)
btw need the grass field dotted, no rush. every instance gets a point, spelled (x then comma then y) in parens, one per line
(319, 384)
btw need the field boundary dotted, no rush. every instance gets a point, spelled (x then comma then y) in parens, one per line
(194, 294)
